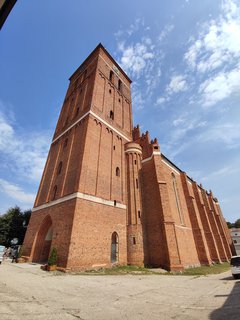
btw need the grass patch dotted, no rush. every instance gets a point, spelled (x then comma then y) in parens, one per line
(205, 270)
(119, 270)
(134, 270)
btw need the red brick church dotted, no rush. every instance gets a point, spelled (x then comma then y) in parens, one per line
(109, 196)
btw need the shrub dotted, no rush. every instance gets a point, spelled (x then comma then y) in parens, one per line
(52, 260)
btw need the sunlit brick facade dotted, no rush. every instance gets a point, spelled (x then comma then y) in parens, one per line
(109, 196)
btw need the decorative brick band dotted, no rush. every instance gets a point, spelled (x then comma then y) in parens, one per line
(84, 196)
(155, 153)
(99, 118)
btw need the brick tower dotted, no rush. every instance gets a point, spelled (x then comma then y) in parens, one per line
(109, 196)
(81, 206)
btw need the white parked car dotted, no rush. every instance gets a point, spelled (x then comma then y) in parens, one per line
(235, 266)
(2, 250)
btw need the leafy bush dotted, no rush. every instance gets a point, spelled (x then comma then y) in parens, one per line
(52, 260)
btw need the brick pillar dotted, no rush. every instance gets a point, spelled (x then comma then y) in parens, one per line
(174, 260)
(135, 241)
(197, 228)
(226, 231)
(213, 250)
(220, 228)
(216, 234)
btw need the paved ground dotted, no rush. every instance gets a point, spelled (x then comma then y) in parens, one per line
(28, 293)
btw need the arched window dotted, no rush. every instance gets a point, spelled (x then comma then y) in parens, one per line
(111, 75)
(59, 167)
(114, 248)
(177, 198)
(119, 85)
(54, 193)
(117, 172)
(111, 115)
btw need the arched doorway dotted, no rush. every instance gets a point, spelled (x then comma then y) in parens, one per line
(43, 241)
(114, 248)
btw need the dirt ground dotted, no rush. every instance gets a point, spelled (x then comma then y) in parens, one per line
(28, 293)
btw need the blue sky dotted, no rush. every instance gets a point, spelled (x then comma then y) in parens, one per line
(182, 56)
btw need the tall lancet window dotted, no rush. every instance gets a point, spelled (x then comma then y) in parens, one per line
(177, 198)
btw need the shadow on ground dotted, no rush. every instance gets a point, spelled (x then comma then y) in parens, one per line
(231, 308)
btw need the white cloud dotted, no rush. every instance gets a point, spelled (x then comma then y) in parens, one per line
(218, 40)
(161, 100)
(215, 53)
(177, 84)
(15, 192)
(135, 57)
(166, 30)
(26, 154)
(219, 87)
(225, 133)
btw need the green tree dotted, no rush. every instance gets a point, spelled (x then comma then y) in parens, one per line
(237, 223)
(230, 225)
(13, 225)
(53, 257)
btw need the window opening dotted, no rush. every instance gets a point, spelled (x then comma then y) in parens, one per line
(110, 91)
(119, 85)
(134, 240)
(77, 112)
(135, 161)
(59, 167)
(112, 115)
(111, 75)
(115, 203)
(114, 147)
(114, 247)
(137, 183)
(139, 214)
(117, 172)
(65, 143)
(54, 192)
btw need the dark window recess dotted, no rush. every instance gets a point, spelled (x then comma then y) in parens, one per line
(135, 161)
(65, 143)
(59, 167)
(54, 192)
(77, 112)
(155, 147)
(111, 75)
(114, 247)
(119, 100)
(139, 214)
(119, 85)
(111, 115)
(117, 172)
(134, 240)
(137, 183)
(110, 91)
(114, 147)
(115, 203)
